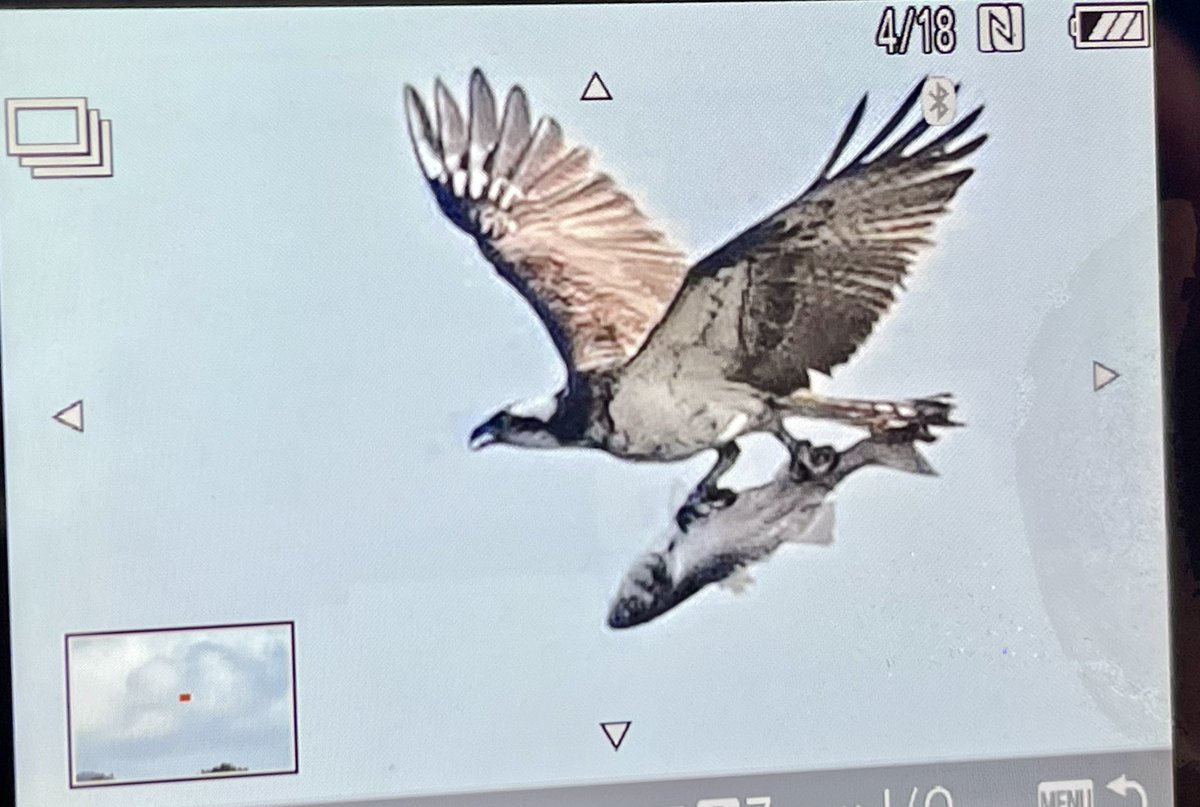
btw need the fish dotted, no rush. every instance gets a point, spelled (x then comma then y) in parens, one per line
(795, 506)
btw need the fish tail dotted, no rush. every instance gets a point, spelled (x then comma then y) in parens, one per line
(901, 456)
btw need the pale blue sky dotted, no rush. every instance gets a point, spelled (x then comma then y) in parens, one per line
(282, 347)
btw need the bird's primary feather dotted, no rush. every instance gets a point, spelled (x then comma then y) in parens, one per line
(803, 289)
(595, 269)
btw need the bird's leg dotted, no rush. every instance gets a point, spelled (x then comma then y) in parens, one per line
(806, 461)
(707, 495)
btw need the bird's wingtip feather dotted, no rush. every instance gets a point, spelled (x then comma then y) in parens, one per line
(412, 101)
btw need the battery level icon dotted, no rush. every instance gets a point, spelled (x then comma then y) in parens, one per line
(1110, 25)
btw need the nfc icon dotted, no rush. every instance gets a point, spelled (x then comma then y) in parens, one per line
(1001, 28)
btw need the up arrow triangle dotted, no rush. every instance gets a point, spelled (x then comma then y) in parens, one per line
(616, 732)
(595, 90)
(71, 415)
(1102, 376)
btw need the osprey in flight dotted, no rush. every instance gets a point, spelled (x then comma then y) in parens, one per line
(666, 359)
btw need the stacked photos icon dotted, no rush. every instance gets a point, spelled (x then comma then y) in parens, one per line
(87, 153)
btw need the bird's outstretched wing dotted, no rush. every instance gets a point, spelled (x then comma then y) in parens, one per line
(802, 289)
(593, 267)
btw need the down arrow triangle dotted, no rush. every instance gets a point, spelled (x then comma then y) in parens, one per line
(616, 732)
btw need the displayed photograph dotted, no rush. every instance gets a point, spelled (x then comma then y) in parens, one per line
(666, 359)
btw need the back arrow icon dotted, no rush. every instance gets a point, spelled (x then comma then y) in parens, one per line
(1122, 785)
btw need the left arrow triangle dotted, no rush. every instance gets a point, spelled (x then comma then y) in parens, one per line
(71, 415)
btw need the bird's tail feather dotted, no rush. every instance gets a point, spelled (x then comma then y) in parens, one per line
(878, 415)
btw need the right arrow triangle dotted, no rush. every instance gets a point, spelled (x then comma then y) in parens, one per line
(595, 90)
(615, 732)
(1102, 376)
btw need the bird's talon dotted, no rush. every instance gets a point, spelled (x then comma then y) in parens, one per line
(720, 498)
(701, 504)
(686, 516)
(799, 470)
(823, 456)
(810, 461)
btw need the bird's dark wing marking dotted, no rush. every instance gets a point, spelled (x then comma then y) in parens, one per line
(598, 273)
(802, 289)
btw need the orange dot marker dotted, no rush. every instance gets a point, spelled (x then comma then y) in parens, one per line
(184, 697)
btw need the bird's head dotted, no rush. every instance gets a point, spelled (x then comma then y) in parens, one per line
(526, 424)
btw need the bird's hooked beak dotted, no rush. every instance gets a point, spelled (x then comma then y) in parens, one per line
(482, 437)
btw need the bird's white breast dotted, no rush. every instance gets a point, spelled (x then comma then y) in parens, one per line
(656, 419)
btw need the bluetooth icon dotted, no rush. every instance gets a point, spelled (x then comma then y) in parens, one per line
(939, 96)
(938, 100)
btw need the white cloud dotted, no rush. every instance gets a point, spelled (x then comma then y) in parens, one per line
(125, 693)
